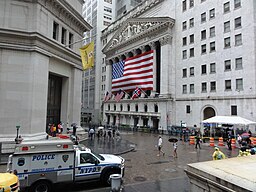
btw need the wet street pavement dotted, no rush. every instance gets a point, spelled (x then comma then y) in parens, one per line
(144, 170)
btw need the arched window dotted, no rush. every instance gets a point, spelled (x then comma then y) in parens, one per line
(138, 51)
(147, 48)
(130, 54)
(145, 108)
(156, 108)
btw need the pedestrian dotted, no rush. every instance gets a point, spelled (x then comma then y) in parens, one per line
(198, 140)
(160, 145)
(91, 133)
(229, 143)
(217, 154)
(239, 140)
(60, 128)
(175, 146)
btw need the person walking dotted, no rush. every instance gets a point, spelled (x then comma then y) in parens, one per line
(175, 146)
(160, 145)
(198, 140)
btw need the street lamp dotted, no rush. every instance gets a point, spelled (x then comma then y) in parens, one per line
(17, 136)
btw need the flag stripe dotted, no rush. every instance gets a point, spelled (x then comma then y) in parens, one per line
(133, 72)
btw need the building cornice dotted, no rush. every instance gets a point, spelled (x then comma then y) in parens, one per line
(61, 7)
(33, 41)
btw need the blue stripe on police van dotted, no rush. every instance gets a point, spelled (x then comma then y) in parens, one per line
(99, 165)
(87, 174)
(44, 171)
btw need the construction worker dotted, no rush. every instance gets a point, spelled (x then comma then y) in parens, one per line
(218, 155)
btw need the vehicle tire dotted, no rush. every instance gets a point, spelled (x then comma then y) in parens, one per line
(106, 177)
(41, 186)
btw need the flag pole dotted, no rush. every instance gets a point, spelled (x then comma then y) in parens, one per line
(125, 92)
(143, 92)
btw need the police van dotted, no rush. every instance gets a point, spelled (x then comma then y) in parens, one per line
(40, 164)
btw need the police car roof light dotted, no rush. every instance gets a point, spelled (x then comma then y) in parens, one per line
(24, 148)
(65, 146)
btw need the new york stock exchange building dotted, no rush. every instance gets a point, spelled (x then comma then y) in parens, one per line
(186, 83)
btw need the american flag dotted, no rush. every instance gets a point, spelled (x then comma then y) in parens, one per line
(119, 95)
(136, 93)
(133, 72)
(107, 96)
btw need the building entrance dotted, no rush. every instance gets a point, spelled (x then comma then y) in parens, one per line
(54, 100)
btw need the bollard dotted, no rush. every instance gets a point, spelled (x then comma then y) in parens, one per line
(116, 180)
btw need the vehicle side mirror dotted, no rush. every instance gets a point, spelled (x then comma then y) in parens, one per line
(96, 162)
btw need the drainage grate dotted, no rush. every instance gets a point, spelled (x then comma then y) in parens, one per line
(139, 178)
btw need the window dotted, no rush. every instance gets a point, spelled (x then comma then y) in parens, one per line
(227, 85)
(237, 3)
(191, 39)
(203, 34)
(213, 86)
(191, 22)
(203, 69)
(107, 9)
(108, 1)
(184, 54)
(212, 68)
(239, 63)
(203, 17)
(192, 88)
(188, 109)
(70, 40)
(191, 3)
(184, 89)
(239, 84)
(184, 73)
(227, 65)
(227, 42)
(238, 22)
(184, 25)
(233, 110)
(238, 39)
(212, 13)
(184, 5)
(212, 47)
(203, 49)
(191, 71)
(212, 32)
(191, 52)
(87, 158)
(184, 41)
(204, 87)
(226, 7)
(226, 26)
(63, 36)
(55, 34)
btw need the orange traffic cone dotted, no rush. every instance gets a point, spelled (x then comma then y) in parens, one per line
(221, 141)
(233, 143)
(211, 142)
(191, 140)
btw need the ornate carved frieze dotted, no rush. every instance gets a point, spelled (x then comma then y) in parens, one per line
(135, 29)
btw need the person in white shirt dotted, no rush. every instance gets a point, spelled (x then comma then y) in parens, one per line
(159, 145)
(175, 146)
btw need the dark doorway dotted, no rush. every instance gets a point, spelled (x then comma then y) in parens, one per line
(208, 112)
(54, 99)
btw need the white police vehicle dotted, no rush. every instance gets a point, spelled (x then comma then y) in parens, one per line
(40, 164)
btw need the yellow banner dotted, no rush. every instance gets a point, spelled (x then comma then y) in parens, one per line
(87, 56)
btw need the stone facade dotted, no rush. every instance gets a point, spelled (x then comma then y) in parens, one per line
(202, 74)
(29, 52)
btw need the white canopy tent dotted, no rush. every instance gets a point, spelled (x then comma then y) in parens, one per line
(231, 120)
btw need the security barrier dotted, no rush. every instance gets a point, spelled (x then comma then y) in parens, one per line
(211, 142)
(221, 141)
(233, 143)
(191, 140)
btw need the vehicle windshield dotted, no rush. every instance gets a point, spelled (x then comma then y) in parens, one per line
(99, 156)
